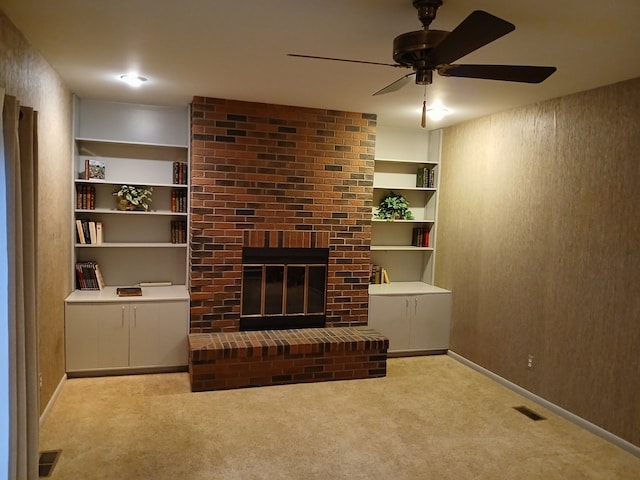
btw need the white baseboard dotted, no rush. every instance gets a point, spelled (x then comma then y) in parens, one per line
(52, 400)
(561, 412)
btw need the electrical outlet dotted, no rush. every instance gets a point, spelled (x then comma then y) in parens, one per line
(40, 380)
(530, 361)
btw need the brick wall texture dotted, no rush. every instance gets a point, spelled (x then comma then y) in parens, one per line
(274, 175)
(224, 360)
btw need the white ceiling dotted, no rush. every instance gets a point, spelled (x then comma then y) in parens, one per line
(236, 49)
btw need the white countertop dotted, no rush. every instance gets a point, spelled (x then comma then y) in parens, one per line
(404, 288)
(149, 294)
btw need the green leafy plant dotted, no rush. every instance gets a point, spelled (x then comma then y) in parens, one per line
(132, 197)
(394, 206)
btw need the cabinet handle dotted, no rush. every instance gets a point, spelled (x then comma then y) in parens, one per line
(406, 306)
(415, 306)
(122, 316)
(135, 317)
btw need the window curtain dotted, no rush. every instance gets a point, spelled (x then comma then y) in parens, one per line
(20, 154)
(4, 313)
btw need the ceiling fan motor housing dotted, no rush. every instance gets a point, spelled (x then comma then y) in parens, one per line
(412, 49)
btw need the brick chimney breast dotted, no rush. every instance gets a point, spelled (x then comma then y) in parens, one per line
(275, 175)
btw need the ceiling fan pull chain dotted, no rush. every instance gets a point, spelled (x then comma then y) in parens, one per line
(423, 122)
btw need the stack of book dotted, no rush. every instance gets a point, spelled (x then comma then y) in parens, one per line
(85, 197)
(88, 232)
(426, 178)
(179, 200)
(179, 231)
(88, 276)
(378, 274)
(180, 173)
(420, 237)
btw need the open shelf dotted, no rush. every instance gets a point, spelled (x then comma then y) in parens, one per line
(403, 164)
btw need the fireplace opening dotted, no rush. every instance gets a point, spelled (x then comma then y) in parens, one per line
(283, 288)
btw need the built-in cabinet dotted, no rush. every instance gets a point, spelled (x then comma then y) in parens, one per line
(135, 145)
(138, 333)
(413, 320)
(412, 312)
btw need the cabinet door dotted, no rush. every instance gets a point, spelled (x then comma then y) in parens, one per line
(96, 336)
(158, 332)
(430, 325)
(389, 314)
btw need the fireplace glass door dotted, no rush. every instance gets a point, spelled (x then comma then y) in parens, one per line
(283, 289)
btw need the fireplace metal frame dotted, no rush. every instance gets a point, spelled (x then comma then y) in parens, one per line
(285, 258)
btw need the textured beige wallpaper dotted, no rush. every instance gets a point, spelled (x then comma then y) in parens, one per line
(25, 74)
(539, 240)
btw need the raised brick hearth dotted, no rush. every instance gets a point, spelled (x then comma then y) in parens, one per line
(219, 361)
(278, 176)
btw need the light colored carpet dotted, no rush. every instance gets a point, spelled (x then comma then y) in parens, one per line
(430, 418)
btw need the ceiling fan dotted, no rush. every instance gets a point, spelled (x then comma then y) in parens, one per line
(427, 50)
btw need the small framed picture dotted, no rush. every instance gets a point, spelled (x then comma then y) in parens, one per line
(94, 169)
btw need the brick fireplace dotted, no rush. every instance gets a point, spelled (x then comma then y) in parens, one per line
(273, 176)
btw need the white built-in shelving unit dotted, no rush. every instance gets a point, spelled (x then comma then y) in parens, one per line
(399, 155)
(138, 145)
(412, 312)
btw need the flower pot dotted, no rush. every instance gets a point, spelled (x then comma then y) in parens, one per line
(125, 205)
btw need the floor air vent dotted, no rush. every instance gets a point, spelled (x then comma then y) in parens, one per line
(529, 413)
(47, 462)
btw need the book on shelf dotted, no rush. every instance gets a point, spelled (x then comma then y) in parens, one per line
(80, 230)
(89, 276)
(420, 177)
(179, 231)
(85, 197)
(378, 274)
(156, 284)
(79, 194)
(93, 237)
(385, 276)
(129, 291)
(420, 237)
(89, 232)
(180, 173)
(99, 230)
(425, 177)
(99, 277)
(179, 200)
(94, 169)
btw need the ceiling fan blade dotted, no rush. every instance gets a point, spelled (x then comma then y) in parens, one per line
(345, 60)
(397, 85)
(508, 73)
(475, 31)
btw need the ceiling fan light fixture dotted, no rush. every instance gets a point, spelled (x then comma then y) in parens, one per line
(132, 79)
(437, 112)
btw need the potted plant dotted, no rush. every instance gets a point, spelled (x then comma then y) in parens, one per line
(132, 197)
(394, 206)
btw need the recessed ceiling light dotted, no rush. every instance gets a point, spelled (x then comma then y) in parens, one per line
(132, 79)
